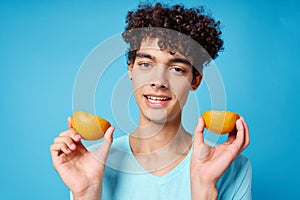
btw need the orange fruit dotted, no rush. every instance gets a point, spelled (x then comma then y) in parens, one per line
(220, 122)
(90, 127)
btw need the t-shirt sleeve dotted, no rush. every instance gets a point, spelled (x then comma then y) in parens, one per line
(244, 190)
(236, 182)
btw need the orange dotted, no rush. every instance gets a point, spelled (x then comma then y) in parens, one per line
(220, 122)
(90, 127)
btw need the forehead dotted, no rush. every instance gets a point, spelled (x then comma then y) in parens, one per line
(151, 45)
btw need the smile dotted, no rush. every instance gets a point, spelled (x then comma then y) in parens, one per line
(157, 99)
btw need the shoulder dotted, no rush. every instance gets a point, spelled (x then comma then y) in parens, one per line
(236, 181)
(241, 163)
(239, 168)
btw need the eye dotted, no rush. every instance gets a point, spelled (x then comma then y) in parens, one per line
(178, 70)
(144, 64)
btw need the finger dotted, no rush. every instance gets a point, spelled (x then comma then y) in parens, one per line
(240, 136)
(231, 136)
(72, 134)
(67, 140)
(58, 148)
(102, 152)
(59, 153)
(198, 132)
(70, 122)
(247, 135)
(233, 149)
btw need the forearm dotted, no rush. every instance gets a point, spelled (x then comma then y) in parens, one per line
(203, 191)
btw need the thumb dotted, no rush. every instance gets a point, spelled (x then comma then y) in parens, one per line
(201, 150)
(198, 132)
(102, 152)
(108, 134)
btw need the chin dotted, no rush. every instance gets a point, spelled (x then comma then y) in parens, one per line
(158, 121)
(159, 116)
(156, 116)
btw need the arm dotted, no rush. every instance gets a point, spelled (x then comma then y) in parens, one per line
(209, 163)
(82, 171)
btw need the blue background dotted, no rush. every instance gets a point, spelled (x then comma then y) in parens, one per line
(43, 44)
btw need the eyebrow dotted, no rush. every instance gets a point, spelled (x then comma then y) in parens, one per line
(145, 55)
(173, 60)
(180, 60)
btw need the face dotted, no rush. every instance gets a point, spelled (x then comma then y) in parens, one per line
(161, 82)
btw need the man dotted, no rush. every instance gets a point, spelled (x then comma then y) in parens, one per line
(160, 159)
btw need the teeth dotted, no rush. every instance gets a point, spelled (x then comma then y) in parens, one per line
(157, 98)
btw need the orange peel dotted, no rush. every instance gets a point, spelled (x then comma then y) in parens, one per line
(220, 122)
(89, 126)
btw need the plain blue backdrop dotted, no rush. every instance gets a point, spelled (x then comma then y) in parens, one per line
(43, 44)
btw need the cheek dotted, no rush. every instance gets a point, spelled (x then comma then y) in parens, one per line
(139, 79)
(180, 88)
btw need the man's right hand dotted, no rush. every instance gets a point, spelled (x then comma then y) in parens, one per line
(82, 171)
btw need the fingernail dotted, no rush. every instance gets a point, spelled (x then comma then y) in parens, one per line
(77, 137)
(73, 146)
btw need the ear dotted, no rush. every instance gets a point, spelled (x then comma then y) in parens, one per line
(196, 82)
(130, 66)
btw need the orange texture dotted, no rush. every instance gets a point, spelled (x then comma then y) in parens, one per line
(89, 126)
(220, 122)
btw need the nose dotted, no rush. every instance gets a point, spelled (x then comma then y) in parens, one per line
(159, 78)
(159, 84)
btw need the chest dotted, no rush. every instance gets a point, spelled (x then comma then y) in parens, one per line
(146, 186)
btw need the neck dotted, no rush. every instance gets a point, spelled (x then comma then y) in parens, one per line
(154, 137)
(159, 148)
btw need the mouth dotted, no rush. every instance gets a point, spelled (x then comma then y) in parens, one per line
(154, 99)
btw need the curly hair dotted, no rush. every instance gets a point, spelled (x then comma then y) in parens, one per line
(192, 22)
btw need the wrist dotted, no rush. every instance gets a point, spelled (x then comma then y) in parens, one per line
(203, 191)
(91, 193)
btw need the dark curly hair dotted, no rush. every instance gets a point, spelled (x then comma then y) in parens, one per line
(192, 22)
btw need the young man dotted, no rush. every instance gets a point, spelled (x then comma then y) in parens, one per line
(160, 159)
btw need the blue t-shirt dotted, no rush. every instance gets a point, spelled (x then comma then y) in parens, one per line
(126, 179)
